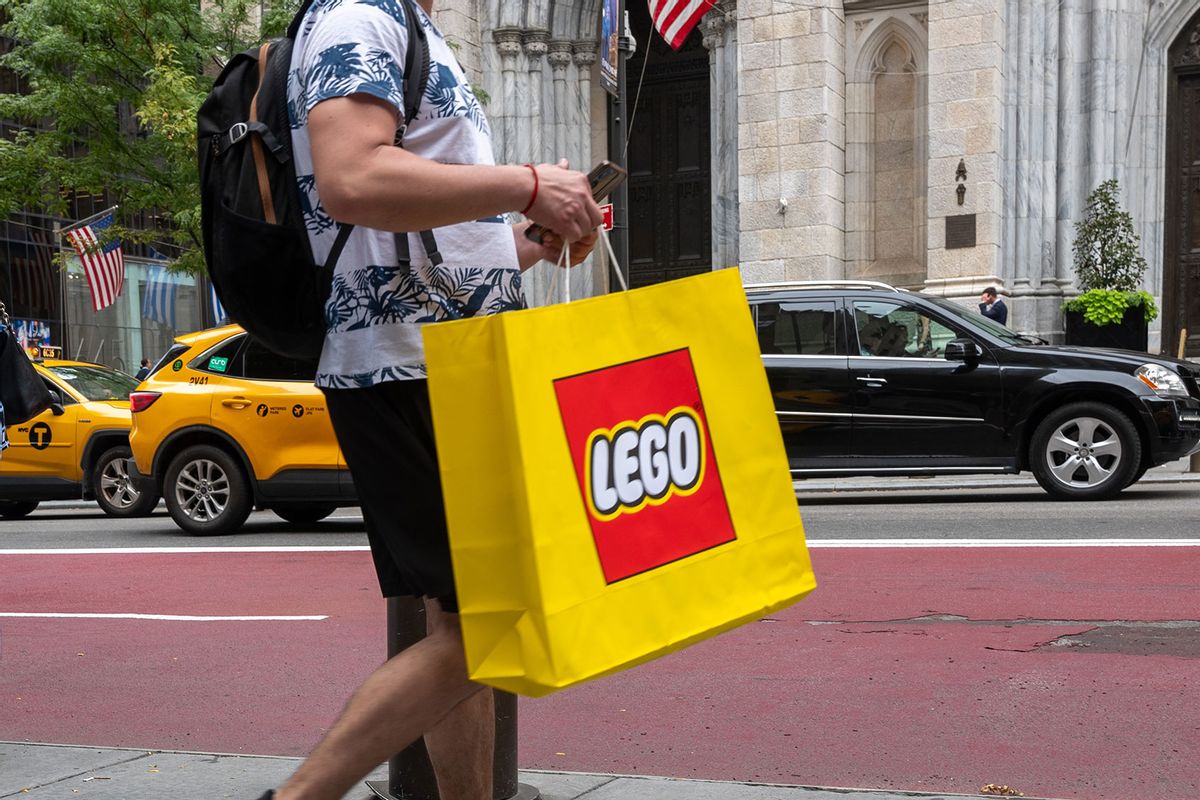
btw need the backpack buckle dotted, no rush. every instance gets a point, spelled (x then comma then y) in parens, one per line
(237, 132)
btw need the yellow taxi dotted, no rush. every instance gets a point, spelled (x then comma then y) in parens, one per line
(76, 448)
(223, 425)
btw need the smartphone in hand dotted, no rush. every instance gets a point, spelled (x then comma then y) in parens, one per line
(604, 178)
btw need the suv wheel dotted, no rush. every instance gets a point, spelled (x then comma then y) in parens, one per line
(303, 514)
(1085, 451)
(17, 509)
(115, 493)
(206, 491)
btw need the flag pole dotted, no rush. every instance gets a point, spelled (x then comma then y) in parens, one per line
(56, 230)
(89, 220)
(618, 135)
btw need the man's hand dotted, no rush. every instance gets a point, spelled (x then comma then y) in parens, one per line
(553, 245)
(564, 202)
(550, 249)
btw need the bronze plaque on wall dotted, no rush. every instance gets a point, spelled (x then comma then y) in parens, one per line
(960, 231)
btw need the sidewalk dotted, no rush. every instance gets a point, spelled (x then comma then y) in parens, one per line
(43, 771)
(1168, 473)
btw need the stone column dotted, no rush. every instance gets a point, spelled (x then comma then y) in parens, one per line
(584, 55)
(722, 148)
(508, 43)
(535, 42)
(966, 108)
(791, 140)
(563, 115)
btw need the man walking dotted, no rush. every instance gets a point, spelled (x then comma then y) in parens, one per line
(345, 92)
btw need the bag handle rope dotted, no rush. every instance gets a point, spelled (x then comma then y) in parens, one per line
(564, 267)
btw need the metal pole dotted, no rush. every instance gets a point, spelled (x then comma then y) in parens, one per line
(410, 772)
(618, 133)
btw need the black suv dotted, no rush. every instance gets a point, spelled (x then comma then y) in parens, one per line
(873, 380)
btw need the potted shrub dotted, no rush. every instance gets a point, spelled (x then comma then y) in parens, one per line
(1112, 310)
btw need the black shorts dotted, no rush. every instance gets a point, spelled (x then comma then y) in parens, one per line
(386, 434)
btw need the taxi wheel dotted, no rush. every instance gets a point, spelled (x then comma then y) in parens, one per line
(17, 509)
(1085, 451)
(302, 514)
(115, 493)
(206, 491)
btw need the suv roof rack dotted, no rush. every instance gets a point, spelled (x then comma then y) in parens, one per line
(822, 284)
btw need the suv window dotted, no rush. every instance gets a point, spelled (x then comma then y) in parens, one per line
(64, 397)
(262, 364)
(797, 328)
(222, 361)
(895, 330)
(96, 383)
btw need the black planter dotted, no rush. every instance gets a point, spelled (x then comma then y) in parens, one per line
(1128, 334)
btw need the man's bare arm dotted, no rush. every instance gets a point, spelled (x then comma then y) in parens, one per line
(363, 179)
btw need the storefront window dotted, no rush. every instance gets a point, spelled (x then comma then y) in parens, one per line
(153, 308)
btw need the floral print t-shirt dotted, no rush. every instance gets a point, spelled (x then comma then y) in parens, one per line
(376, 308)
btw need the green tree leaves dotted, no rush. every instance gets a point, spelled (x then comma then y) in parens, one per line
(1108, 265)
(113, 87)
(1106, 248)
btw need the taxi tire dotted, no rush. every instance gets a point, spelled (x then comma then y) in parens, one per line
(17, 509)
(224, 472)
(145, 503)
(303, 514)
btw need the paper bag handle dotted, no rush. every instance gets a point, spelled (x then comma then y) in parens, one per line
(564, 261)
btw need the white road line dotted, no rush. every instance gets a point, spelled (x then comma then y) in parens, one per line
(828, 543)
(92, 551)
(915, 543)
(166, 617)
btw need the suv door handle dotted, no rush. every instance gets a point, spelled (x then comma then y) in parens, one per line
(236, 402)
(874, 381)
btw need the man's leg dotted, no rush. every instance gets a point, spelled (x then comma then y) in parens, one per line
(462, 746)
(403, 699)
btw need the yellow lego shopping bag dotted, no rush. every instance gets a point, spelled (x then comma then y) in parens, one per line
(615, 481)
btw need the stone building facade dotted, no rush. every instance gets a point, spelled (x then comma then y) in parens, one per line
(940, 145)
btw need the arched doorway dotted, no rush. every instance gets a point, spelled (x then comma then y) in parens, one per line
(670, 181)
(1181, 262)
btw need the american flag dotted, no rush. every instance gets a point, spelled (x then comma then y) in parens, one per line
(674, 19)
(104, 264)
(158, 298)
(218, 310)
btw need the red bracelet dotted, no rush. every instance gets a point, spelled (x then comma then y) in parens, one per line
(533, 196)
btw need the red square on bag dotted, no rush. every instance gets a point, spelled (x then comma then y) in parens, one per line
(644, 460)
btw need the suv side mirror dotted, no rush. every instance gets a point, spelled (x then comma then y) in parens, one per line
(962, 350)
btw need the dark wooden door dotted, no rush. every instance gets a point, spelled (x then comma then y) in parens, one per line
(670, 214)
(1181, 266)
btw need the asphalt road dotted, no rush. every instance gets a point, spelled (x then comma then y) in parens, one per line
(1063, 662)
(1146, 511)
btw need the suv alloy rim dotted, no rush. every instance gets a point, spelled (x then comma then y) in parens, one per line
(1083, 452)
(115, 485)
(202, 490)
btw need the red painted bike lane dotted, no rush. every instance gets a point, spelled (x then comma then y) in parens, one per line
(935, 669)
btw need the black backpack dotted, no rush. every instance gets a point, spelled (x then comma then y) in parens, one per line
(256, 245)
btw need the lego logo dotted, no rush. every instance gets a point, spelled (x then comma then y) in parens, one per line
(645, 463)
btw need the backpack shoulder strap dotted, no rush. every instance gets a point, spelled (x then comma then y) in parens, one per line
(416, 64)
